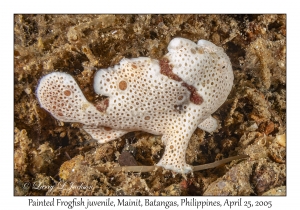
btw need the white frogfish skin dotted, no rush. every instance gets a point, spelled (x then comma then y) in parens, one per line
(169, 97)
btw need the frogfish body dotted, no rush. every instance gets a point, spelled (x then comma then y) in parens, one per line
(169, 97)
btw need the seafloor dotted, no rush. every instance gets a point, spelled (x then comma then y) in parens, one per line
(50, 156)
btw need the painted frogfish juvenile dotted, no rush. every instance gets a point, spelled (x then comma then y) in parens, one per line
(169, 97)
